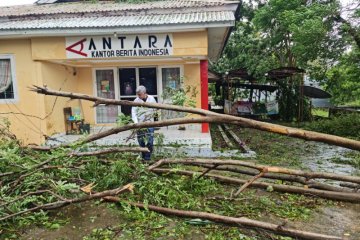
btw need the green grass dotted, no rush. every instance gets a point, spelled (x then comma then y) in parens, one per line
(320, 112)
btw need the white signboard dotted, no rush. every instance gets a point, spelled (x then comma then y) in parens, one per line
(148, 45)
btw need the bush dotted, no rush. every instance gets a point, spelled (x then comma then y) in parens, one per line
(346, 125)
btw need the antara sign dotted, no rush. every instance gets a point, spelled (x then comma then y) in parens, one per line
(119, 46)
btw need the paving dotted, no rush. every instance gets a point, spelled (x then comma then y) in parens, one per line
(169, 140)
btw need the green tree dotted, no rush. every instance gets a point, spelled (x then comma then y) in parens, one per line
(290, 33)
(343, 80)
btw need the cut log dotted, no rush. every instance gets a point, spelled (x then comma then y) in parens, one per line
(339, 196)
(215, 117)
(241, 144)
(240, 222)
(225, 137)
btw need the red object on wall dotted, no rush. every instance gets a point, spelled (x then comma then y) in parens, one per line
(204, 91)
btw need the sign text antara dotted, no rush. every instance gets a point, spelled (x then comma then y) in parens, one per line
(119, 46)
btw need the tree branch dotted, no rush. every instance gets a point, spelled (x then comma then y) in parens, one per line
(209, 117)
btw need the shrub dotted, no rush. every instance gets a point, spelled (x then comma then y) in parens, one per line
(346, 125)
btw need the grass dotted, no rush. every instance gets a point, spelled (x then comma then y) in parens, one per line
(168, 191)
(320, 112)
(270, 148)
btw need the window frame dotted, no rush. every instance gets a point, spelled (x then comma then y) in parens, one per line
(116, 85)
(11, 57)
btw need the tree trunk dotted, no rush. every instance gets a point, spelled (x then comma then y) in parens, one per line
(210, 117)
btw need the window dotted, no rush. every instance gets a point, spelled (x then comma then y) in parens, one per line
(7, 78)
(131, 78)
(105, 88)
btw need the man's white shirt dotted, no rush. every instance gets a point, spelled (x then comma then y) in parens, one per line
(142, 114)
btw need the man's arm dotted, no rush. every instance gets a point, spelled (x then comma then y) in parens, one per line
(134, 114)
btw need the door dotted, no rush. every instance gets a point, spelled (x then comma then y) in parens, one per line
(105, 88)
(131, 78)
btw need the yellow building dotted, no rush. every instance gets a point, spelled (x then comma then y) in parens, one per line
(104, 49)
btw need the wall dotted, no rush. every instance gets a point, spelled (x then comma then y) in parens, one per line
(29, 129)
(184, 44)
(58, 77)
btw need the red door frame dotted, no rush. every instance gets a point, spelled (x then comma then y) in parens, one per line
(204, 91)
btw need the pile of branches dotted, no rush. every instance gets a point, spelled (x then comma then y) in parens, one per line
(58, 176)
(293, 181)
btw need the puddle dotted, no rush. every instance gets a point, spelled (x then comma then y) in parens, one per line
(321, 161)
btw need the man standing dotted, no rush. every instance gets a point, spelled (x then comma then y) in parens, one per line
(140, 114)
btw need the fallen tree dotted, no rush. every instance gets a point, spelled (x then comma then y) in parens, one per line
(241, 221)
(208, 116)
(261, 168)
(339, 196)
(288, 178)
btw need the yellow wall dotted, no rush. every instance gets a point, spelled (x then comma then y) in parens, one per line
(192, 78)
(58, 77)
(86, 86)
(184, 44)
(28, 129)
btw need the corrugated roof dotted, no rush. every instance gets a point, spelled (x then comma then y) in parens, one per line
(119, 21)
(100, 7)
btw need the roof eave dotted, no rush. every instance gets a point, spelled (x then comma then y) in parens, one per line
(27, 33)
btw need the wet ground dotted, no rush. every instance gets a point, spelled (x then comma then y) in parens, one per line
(331, 159)
(82, 219)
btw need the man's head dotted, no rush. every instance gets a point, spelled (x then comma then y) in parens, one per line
(141, 92)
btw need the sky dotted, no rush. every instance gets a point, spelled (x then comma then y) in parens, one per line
(15, 2)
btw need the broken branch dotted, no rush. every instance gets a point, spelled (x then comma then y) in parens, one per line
(109, 150)
(63, 203)
(248, 182)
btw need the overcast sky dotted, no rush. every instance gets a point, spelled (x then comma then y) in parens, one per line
(15, 2)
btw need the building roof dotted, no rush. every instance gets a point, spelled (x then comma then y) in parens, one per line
(118, 21)
(109, 7)
(49, 18)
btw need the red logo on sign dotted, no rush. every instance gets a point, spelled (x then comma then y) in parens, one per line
(81, 43)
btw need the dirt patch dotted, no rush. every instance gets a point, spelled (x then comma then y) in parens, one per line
(83, 218)
(341, 220)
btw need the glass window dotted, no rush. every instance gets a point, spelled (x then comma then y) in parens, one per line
(147, 78)
(171, 81)
(171, 78)
(6, 80)
(106, 89)
(127, 81)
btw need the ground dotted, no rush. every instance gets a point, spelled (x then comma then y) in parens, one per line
(98, 220)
